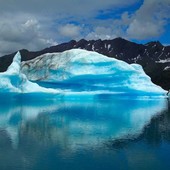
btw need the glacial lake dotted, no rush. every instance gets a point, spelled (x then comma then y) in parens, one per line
(99, 133)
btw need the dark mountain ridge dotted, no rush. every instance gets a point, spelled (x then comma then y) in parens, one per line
(153, 56)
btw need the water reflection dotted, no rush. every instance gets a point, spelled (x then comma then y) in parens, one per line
(76, 124)
(84, 134)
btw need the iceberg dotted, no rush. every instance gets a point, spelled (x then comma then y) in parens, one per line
(76, 72)
(83, 71)
(14, 81)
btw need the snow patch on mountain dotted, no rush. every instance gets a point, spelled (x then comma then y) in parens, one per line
(164, 61)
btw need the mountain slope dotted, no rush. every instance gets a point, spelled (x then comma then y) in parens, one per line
(153, 56)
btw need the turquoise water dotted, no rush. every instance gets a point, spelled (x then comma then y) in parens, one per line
(99, 132)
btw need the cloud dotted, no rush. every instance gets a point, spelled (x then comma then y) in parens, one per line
(110, 28)
(22, 33)
(37, 24)
(149, 21)
(70, 31)
(145, 30)
(101, 33)
(62, 7)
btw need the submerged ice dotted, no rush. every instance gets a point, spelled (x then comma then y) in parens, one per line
(84, 71)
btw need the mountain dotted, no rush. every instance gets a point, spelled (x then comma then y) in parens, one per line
(153, 56)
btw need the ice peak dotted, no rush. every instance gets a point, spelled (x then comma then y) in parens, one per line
(15, 67)
(13, 80)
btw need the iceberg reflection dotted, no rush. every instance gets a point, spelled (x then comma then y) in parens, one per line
(77, 124)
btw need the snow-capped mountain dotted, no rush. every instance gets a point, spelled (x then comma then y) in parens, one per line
(153, 56)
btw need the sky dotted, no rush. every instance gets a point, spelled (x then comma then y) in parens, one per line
(37, 24)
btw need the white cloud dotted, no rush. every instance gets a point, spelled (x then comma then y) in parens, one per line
(145, 30)
(70, 31)
(101, 33)
(22, 33)
(149, 21)
(37, 24)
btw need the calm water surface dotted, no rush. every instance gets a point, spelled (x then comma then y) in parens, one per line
(97, 133)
